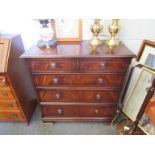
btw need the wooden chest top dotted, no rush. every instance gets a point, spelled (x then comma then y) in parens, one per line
(77, 49)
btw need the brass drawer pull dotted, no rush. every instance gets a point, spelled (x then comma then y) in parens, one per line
(100, 80)
(53, 65)
(59, 111)
(96, 111)
(102, 65)
(98, 96)
(4, 93)
(55, 81)
(10, 105)
(14, 115)
(57, 96)
(2, 80)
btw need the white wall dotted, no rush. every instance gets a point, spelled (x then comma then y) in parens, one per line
(132, 31)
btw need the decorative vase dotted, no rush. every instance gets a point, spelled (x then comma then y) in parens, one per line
(46, 34)
(113, 30)
(96, 29)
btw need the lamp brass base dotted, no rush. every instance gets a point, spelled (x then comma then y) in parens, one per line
(96, 42)
(112, 42)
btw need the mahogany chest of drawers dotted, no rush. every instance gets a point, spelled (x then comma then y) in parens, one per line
(75, 83)
(17, 96)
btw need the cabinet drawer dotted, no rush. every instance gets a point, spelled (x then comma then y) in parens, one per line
(8, 105)
(6, 93)
(101, 64)
(78, 111)
(10, 115)
(2, 81)
(79, 95)
(53, 65)
(79, 80)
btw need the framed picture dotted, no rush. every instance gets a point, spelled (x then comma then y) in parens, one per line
(67, 30)
(147, 122)
(146, 55)
(133, 77)
(136, 98)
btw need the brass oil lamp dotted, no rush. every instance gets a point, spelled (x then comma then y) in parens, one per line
(96, 29)
(113, 30)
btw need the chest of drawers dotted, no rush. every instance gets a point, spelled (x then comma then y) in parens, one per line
(17, 96)
(74, 84)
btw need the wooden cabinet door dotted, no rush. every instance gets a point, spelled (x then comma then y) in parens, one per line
(4, 53)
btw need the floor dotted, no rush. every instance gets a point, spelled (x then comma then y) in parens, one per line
(60, 128)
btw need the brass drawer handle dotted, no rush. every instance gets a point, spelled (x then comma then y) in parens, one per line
(98, 96)
(102, 65)
(96, 111)
(14, 115)
(4, 93)
(53, 65)
(57, 96)
(2, 80)
(55, 81)
(100, 80)
(10, 105)
(59, 111)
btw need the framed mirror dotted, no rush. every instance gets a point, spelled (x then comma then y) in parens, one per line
(146, 54)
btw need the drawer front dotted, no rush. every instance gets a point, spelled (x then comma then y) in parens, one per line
(78, 111)
(10, 115)
(54, 65)
(78, 95)
(79, 80)
(6, 93)
(2, 81)
(8, 105)
(101, 64)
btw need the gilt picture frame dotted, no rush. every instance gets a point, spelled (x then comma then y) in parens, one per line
(146, 54)
(136, 98)
(68, 30)
(133, 77)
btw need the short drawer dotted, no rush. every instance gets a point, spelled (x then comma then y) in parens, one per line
(102, 64)
(54, 65)
(10, 115)
(2, 81)
(8, 105)
(6, 93)
(78, 95)
(78, 111)
(114, 80)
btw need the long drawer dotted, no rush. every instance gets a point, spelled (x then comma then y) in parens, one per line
(6, 93)
(114, 80)
(54, 65)
(8, 105)
(78, 111)
(47, 95)
(10, 115)
(102, 64)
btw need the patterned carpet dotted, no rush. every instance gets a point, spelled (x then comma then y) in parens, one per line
(60, 128)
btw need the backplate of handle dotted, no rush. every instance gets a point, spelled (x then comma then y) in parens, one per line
(102, 65)
(59, 111)
(98, 96)
(55, 80)
(100, 80)
(4, 93)
(53, 65)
